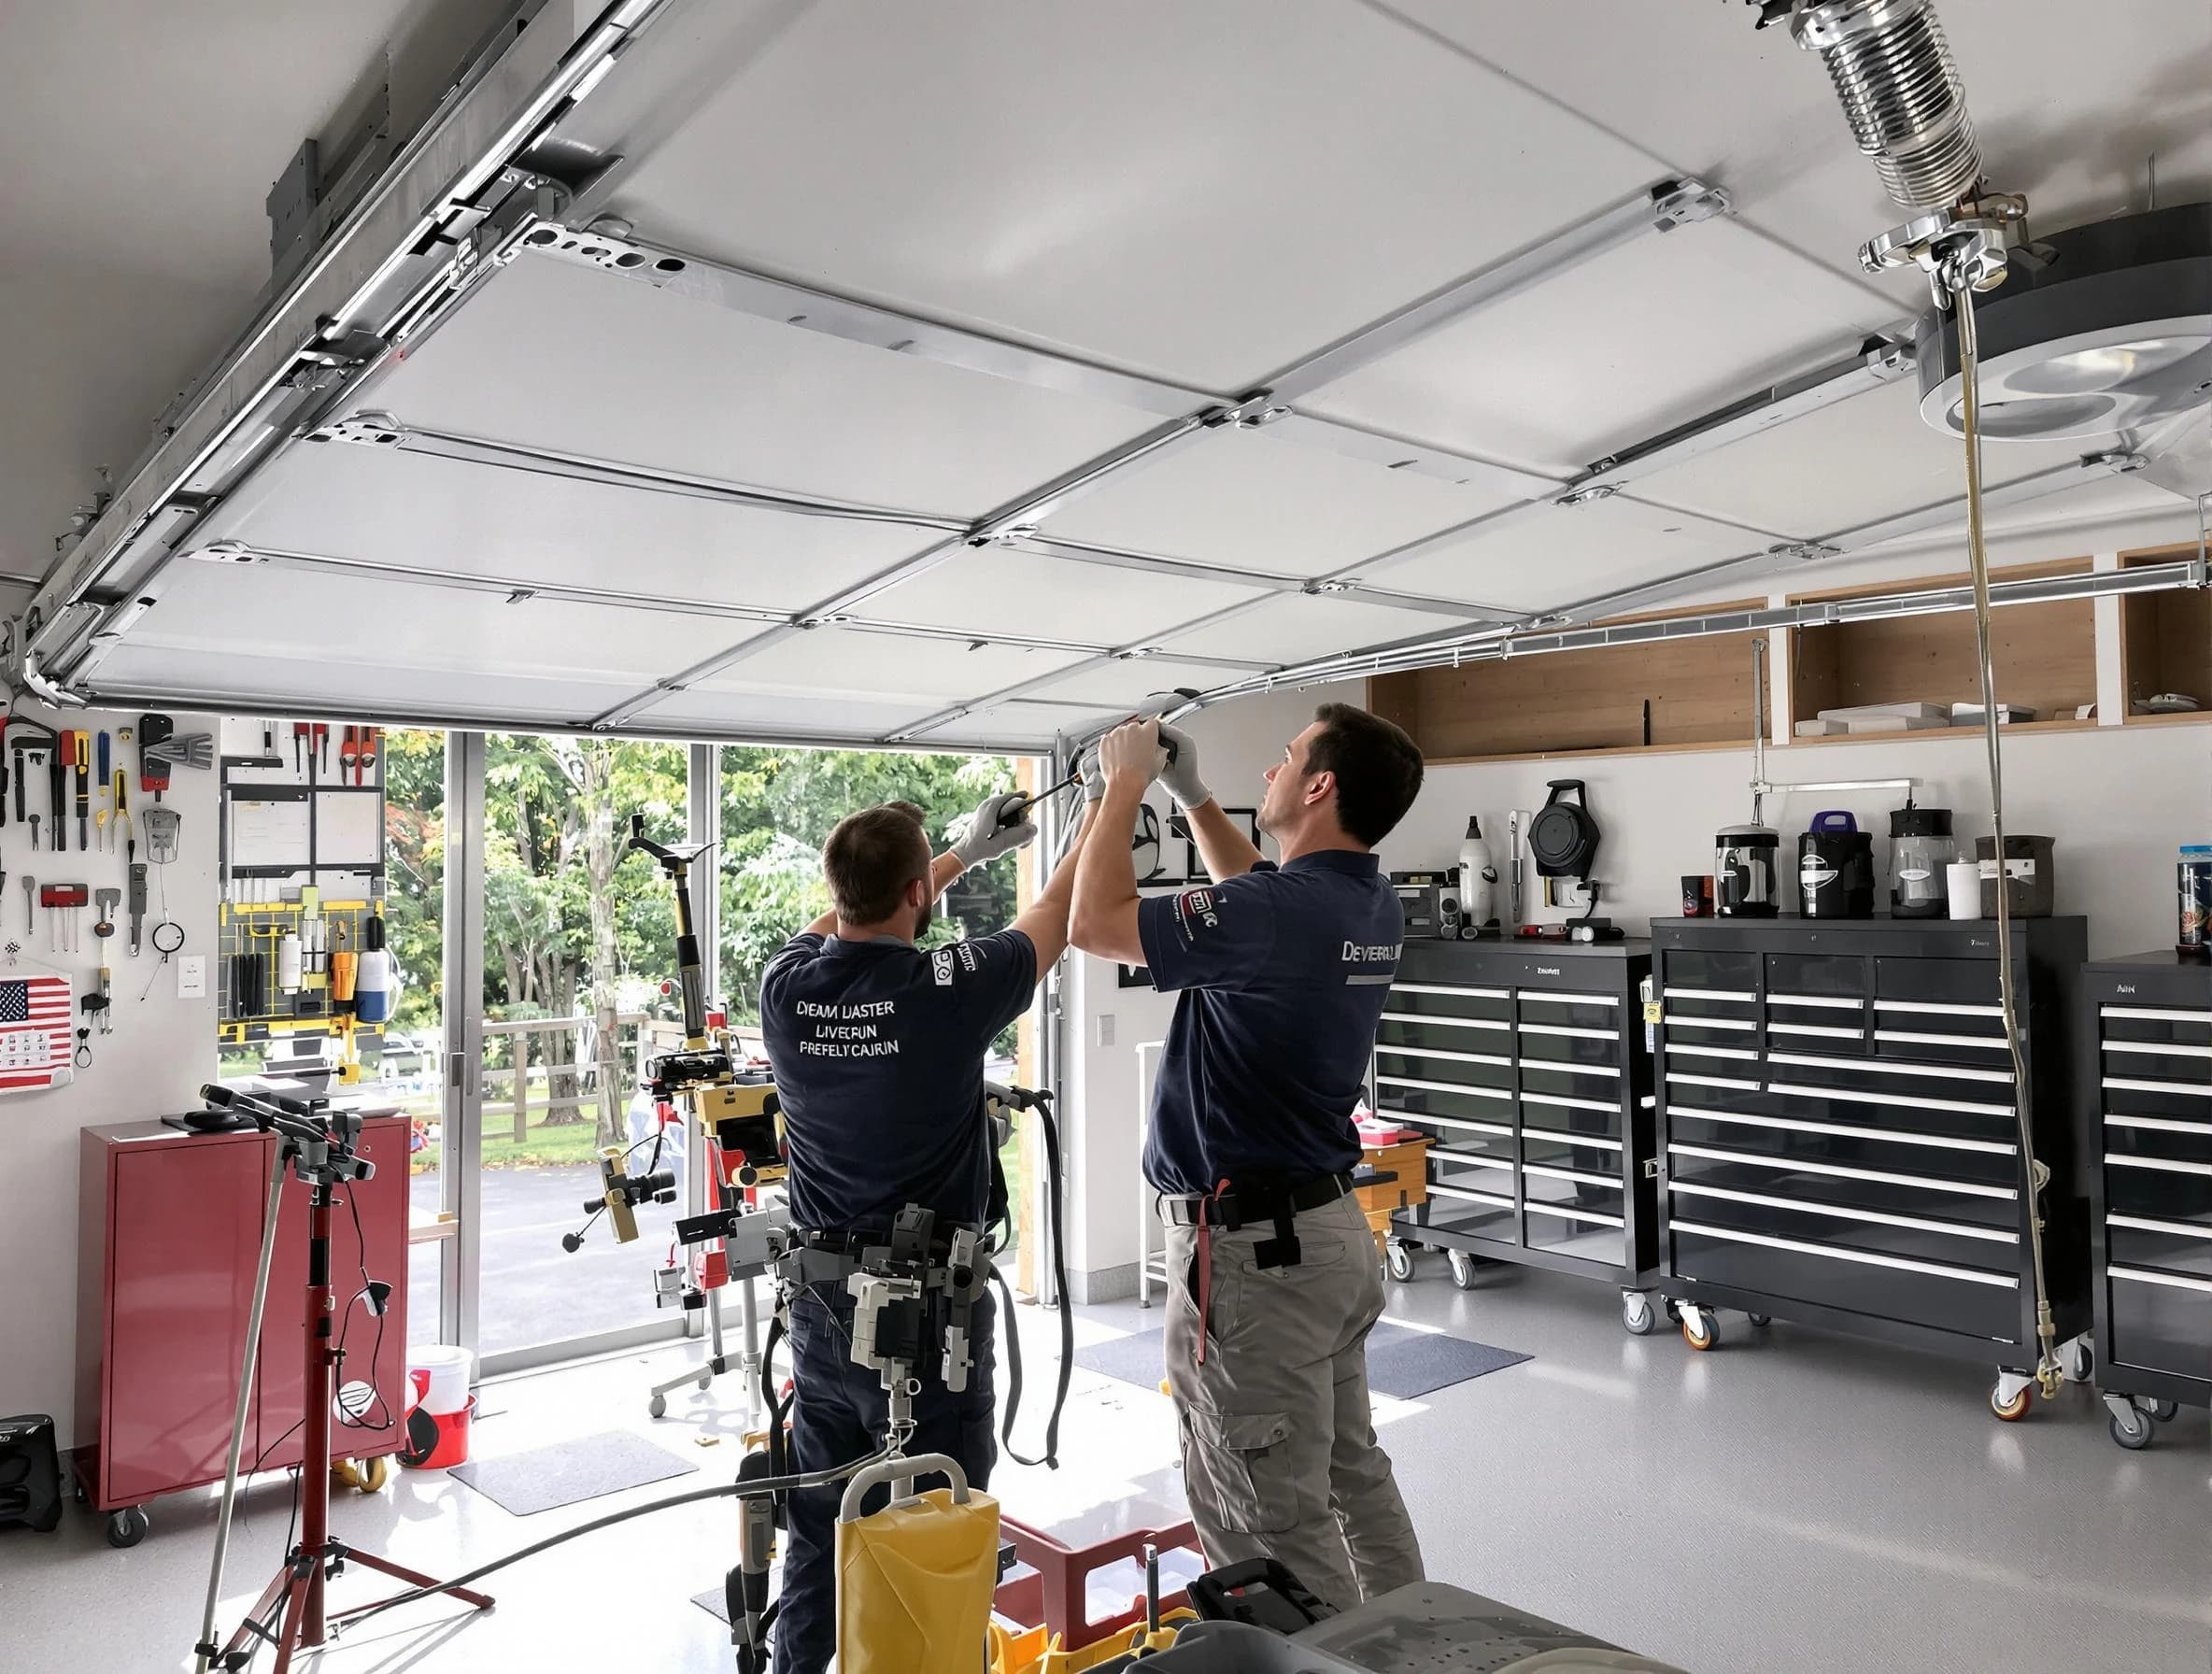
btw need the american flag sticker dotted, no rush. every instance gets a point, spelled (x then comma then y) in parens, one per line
(37, 1011)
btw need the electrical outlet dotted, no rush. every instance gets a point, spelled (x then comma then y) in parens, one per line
(191, 978)
(1105, 1028)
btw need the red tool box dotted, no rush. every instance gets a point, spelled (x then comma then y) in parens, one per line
(169, 1231)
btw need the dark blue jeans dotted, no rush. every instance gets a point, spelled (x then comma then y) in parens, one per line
(839, 1415)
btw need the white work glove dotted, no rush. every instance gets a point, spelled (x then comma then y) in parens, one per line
(1093, 776)
(1181, 775)
(985, 839)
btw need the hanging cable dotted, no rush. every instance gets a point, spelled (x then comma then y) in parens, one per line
(2046, 1364)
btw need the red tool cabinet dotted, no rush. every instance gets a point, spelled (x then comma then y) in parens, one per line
(169, 1230)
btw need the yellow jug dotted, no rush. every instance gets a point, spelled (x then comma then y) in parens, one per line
(915, 1581)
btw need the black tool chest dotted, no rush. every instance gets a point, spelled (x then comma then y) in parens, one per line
(1528, 1070)
(2147, 1088)
(1838, 1139)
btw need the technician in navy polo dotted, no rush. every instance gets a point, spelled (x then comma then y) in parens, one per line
(1280, 974)
(878, 1050)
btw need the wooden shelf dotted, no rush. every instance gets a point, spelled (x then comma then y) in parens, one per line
(2165, 641)
(2011, 729)
(2046, 658)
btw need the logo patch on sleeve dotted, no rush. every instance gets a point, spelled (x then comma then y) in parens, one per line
(1195, 907)
(941, 963)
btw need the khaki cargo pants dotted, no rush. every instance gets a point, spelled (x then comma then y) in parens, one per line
(1279, 1452)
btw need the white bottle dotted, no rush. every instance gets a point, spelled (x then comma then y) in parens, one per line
(1478, 878)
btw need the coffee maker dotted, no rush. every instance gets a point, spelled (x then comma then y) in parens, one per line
(1745, 861)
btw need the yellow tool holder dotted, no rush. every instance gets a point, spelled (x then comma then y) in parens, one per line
(256, 927)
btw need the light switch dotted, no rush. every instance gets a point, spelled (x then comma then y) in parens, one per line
(191, 977)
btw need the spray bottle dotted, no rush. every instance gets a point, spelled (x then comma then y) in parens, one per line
(1478, 878)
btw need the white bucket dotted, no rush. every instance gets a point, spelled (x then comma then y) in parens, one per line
(450, 1369)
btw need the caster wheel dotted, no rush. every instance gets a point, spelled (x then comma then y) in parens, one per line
(128, 1527)
(2080, 1363)
(2132, 1430)
(1637, 1315)
(2012, 1410)
(1399, 1258)
(2165, 1412)
(1463, 1270)
(82, 1497)
(1760, 1321)
(657, 1406)
(1701, 1329)
(370, 1475)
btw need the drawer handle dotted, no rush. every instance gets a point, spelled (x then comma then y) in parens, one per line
(1467, 1197)
(1684, 1049)
(1727, 1023)
(1498, 1130)
(1443, 1086)
(1934, 1008)
(1565, 1213)
(2143, 1276)
(1833, 1002)
(1676, 1077)
(1567, 1031)
(1938, 1142)
(1732, 996)
(1449, 991)
(1443, 1052)
(1497, 1023)
(1885, 1067)
(1554, 997)
(1963, 1106)
(1910, 1038)
(2159, 1124)
(1561, 1066)
(2137, 1223)
(1469, 1159)
(2163, 1164)
(1563, 1102)
(1547, 1137)
(2144, 1013)
(2190, 1088)
(2158, 1048)
(2003, 1281)
(1826, 1032)
(1550, 1172)
(1873, 1217)
(1796, 1165)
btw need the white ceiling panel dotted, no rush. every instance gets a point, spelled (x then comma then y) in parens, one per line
(418, 511)
(2096, 499)
(1293, 627)
(1204, 194)
(404, 627)
(1121, 686)
(993, 589)
(842, 662)
(2068, 101)
(1651, 334)
(553, 354)
(1037, 723)
(1241, 498)
(1845, 465)
(744, 714)
(1557, 555)
(278, 682)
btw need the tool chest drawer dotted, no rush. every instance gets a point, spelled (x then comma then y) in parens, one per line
(2146, 1092)
(1529, 1071)
(1854, 1155)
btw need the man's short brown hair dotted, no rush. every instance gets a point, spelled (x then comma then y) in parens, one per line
(1378, 768)
(872, 857)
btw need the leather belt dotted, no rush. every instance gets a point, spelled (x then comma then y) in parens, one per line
(1235, 1207)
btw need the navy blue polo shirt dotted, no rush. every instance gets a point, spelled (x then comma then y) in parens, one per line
(878, 1051)
(1284, 974)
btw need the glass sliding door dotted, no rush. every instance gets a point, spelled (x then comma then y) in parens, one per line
(578, 938)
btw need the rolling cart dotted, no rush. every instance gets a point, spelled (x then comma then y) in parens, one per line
(1839, 1142)
(1527, 1069)
(2146, 1097)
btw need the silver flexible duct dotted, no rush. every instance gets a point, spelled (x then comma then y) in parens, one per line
(1901, 92)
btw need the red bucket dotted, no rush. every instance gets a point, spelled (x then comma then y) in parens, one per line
(435, 1441)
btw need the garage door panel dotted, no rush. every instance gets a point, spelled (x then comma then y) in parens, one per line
(407, 627)
(995, 589)
(1294, 626)
(552, 354)
(742, 715)
(1121, 686)
(1244, 499)
(1067, 175)
(1033, 723)
(418, 511)
(842, 662)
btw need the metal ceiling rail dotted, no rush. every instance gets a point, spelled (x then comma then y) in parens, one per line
(1505, 644)
(414, 223)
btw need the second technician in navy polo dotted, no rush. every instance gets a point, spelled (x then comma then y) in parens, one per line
(1281, 973)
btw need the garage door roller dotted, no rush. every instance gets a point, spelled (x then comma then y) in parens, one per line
(1563, 836)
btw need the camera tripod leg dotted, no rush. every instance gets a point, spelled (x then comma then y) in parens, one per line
(414, 1577)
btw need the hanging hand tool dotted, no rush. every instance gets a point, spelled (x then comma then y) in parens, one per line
(185, 750)
(137, 877)
(364, 760)
(30, 904)
(57, 797)
(322, 749)
(62, 904)
(33, 832)
(122, 805)
(349, 753)
(4, 721)
(161, 825)
(105, 784)
(84, 790)
(299, 747)
(107, 901)
(153, 772)
(95, 1004)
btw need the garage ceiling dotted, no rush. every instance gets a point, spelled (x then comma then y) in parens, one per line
(961, 375)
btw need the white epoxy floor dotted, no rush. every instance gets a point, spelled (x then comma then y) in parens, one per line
(1793, 1501)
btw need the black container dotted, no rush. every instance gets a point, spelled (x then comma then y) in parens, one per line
(30, 1473)
(1920, 846)
(1836, 868)
(1745, 861)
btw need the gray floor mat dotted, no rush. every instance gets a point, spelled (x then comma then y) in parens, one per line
(1401, 1362)
(548, 1477)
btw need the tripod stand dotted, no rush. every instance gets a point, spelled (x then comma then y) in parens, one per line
(318, 1146)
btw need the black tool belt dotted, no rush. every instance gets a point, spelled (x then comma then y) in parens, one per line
(1276, 1202)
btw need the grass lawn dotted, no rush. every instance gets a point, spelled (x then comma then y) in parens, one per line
(545, 1146)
